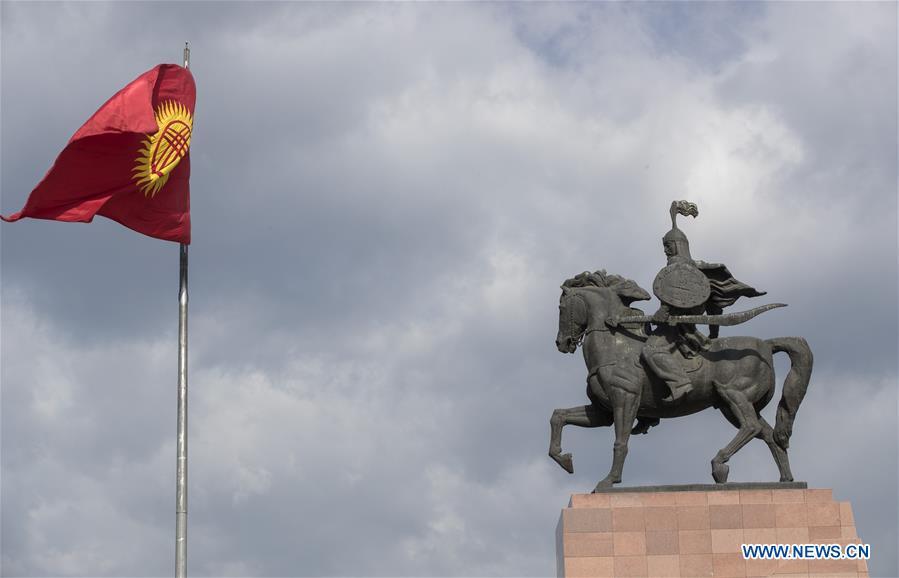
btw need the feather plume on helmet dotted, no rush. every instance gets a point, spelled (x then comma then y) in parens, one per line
(675, 238)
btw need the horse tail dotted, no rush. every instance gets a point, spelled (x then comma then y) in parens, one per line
(795, 385)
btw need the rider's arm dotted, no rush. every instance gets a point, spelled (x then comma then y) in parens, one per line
(661, 316)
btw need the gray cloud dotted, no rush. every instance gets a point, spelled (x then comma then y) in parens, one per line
(385, 200)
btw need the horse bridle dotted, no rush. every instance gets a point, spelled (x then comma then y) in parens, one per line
(580, 340)
(601, 329)
(570, 322)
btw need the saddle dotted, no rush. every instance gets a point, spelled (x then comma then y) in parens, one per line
(690, 364)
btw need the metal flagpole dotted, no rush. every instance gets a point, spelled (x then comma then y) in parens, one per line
(181, 471)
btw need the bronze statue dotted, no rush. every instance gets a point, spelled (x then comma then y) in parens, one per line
(644, 368)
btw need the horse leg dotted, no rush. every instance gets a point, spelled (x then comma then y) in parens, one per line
(626, 404)
(748, 423)
(582, 416)
(780, 454)
(767, 436)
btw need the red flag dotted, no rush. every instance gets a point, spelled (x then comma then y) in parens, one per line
(129, 162)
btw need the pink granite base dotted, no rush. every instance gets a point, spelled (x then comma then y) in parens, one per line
(699, 533)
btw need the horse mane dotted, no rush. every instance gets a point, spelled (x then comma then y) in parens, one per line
(626, 289)
(596, 279)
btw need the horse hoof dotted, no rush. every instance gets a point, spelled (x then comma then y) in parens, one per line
(720, 472)
(604, 484)
(564, 460)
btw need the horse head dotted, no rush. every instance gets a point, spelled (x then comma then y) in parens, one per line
(587, 300)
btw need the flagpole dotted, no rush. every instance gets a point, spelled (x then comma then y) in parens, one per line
(181, 469)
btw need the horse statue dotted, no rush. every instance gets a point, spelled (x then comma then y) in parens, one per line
(733, 374)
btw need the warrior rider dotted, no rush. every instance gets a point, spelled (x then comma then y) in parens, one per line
(686, 287)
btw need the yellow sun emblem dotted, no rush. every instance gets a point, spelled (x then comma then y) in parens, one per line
(165, 148)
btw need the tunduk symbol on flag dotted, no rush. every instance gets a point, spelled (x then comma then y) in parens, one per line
(164, 150)
(129, 162)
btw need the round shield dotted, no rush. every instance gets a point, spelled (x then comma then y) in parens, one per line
(682, 286)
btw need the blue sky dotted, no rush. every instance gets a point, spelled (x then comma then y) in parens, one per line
(386, 198)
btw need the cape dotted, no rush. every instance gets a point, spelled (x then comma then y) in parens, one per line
(725, 290)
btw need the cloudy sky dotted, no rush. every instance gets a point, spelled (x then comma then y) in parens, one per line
(385, 200)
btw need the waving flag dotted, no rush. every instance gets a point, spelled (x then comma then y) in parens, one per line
(130, 161)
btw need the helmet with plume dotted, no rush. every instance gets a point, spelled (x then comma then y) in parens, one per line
(675, 236)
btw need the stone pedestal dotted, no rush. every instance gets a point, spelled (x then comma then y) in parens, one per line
(697, 530)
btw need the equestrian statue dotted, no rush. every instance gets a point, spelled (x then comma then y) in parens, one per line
(644, 368)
